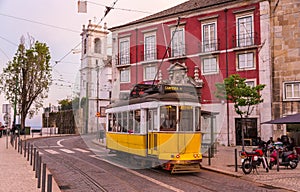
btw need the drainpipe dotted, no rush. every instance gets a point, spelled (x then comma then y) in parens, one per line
(226, 44)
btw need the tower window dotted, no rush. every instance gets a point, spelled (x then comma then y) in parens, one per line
(97, 45)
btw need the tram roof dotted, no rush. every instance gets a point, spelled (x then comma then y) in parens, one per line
(171, 97)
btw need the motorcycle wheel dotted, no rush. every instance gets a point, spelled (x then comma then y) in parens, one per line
(247, 166)
(293, 165)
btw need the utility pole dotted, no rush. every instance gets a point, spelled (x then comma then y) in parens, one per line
(87, 108)
(97, 102)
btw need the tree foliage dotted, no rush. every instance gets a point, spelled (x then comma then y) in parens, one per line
(68, 104)
(26, 79)
(244, 97)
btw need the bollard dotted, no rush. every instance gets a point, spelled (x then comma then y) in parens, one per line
(277, 159)
(31, 151)
(39, 172)
(25, 148)
(235, 159)
(44, 177)
(49, 183)
(16, 143)
(36, 164)
(28, 150)
(21, 146)
(209, 154)
(34, 155)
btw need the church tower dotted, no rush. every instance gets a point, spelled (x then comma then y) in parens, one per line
(95, 77)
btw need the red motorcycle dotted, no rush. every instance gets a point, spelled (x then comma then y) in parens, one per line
(288, 158)
(253, 159)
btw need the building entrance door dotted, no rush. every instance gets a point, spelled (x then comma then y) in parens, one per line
(249, 126)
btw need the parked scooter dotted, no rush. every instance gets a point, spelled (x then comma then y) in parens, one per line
(286, 158)
(252, 160)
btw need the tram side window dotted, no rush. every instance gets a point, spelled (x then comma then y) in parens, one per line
(131, 122)
(110, 122)
(185, 118)
(125, 122)
(168, 118)
(152, 120)
(137, 120)
(197, 119)
(119, 122)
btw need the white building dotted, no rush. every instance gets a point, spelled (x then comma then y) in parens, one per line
(95, 77)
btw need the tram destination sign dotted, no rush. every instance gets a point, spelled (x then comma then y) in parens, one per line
(178, 88)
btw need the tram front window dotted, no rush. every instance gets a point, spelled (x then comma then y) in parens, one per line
(185, 118)
(168, 118)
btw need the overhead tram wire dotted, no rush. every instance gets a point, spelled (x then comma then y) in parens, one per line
(106, 12)
(166, 51)
(123, 9)
(40, 23)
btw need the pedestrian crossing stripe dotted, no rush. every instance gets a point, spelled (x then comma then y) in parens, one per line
(51, 151)
(67, 151)
(81, 150)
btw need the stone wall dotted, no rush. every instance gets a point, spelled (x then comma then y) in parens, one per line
(285, 38)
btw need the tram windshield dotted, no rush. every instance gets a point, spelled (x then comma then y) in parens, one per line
(181, 118)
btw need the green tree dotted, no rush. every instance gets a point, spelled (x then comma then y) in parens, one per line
(26, 79)
(68, 104)
(244, 97)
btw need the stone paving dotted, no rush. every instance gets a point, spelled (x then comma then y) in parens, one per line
(16, 173)
(224, 162)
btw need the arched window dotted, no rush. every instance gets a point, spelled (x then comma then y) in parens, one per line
(84, 46)
(97, 45)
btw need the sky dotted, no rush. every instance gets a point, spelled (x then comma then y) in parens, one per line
(58, 24)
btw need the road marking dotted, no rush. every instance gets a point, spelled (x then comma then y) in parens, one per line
(59, 142)
(144, 176)
(97, 150)
(81, 150)
(67, 151)
(51, 151)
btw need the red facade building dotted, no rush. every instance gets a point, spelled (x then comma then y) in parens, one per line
(211, 38)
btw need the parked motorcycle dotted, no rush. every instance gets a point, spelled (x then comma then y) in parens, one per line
(288, 158)
(253, 159)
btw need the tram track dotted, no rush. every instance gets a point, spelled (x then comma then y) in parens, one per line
(70, 164)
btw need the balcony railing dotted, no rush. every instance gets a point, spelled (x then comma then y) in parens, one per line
(245, 40)
(178, 51)
(209, 46)
(123, 59)
(149, 55)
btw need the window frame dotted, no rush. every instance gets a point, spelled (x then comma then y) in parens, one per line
(212, 43)
(209, 72)
(126, 80)
(243, 41)
(247, 67)
(151, 48)
(293, 97)
(124, 55)
(146, 77)
(182, 50)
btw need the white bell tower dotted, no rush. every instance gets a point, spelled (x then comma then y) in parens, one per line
(94, 74)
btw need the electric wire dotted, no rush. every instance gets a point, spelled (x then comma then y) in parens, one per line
(40, 23)
(123, 9)
(105, 14)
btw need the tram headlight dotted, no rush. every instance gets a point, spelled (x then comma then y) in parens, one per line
(177, 156)
(196, 155)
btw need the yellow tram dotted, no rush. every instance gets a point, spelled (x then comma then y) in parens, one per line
(158, 124)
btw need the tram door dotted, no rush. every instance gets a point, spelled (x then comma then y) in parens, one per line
(152, 126)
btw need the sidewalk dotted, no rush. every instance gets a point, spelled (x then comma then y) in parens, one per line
(16, 173)
(224, 162)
